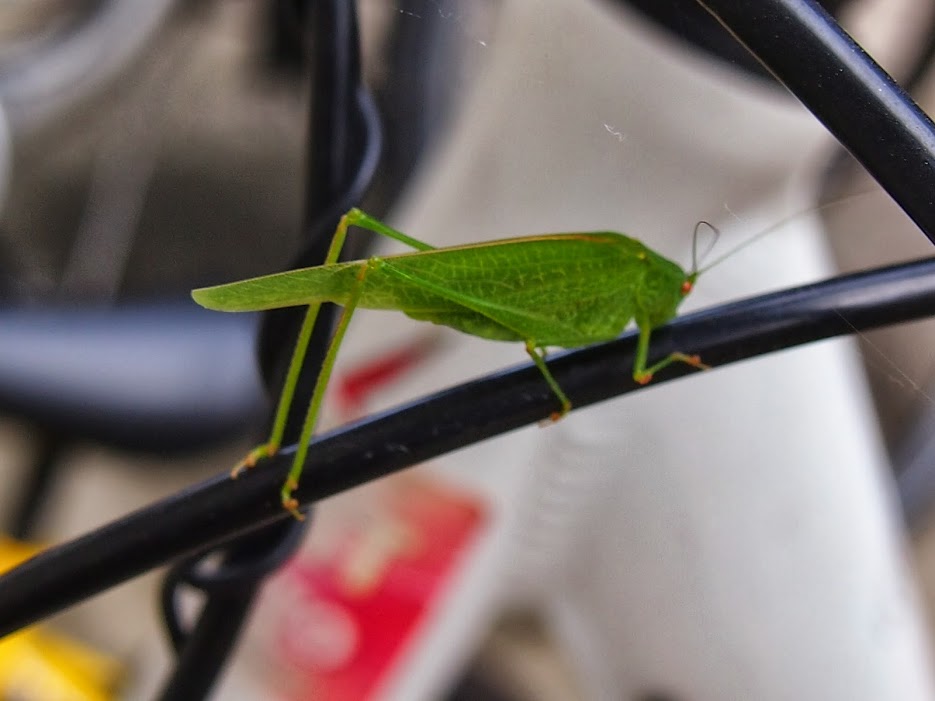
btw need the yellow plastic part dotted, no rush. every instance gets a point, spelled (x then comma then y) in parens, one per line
(38, 665)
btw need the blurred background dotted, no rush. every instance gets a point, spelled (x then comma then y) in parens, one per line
(148, 147)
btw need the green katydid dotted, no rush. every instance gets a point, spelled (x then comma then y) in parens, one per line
(566, 290)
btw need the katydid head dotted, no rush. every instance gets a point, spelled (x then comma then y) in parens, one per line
(662, 288)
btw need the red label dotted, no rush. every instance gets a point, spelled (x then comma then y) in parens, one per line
(349, 605)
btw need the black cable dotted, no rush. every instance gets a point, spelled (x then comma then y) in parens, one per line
(852, 96)
(208, 513)
(688, 21)
(840, 165)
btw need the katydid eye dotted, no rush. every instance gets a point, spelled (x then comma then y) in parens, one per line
(686, 287)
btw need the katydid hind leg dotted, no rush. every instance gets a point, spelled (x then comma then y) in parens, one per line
(539, 359)
(318, 394)
(272, 445)
(643, 374)
(358, 218)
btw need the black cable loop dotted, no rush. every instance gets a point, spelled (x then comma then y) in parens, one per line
(324, 224)
(198, 572)
(211, 579)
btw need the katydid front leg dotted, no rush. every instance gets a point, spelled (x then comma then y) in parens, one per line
(642, 374)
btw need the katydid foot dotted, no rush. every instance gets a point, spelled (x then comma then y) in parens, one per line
(267, 450)
(555, 416)
(289, 502)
